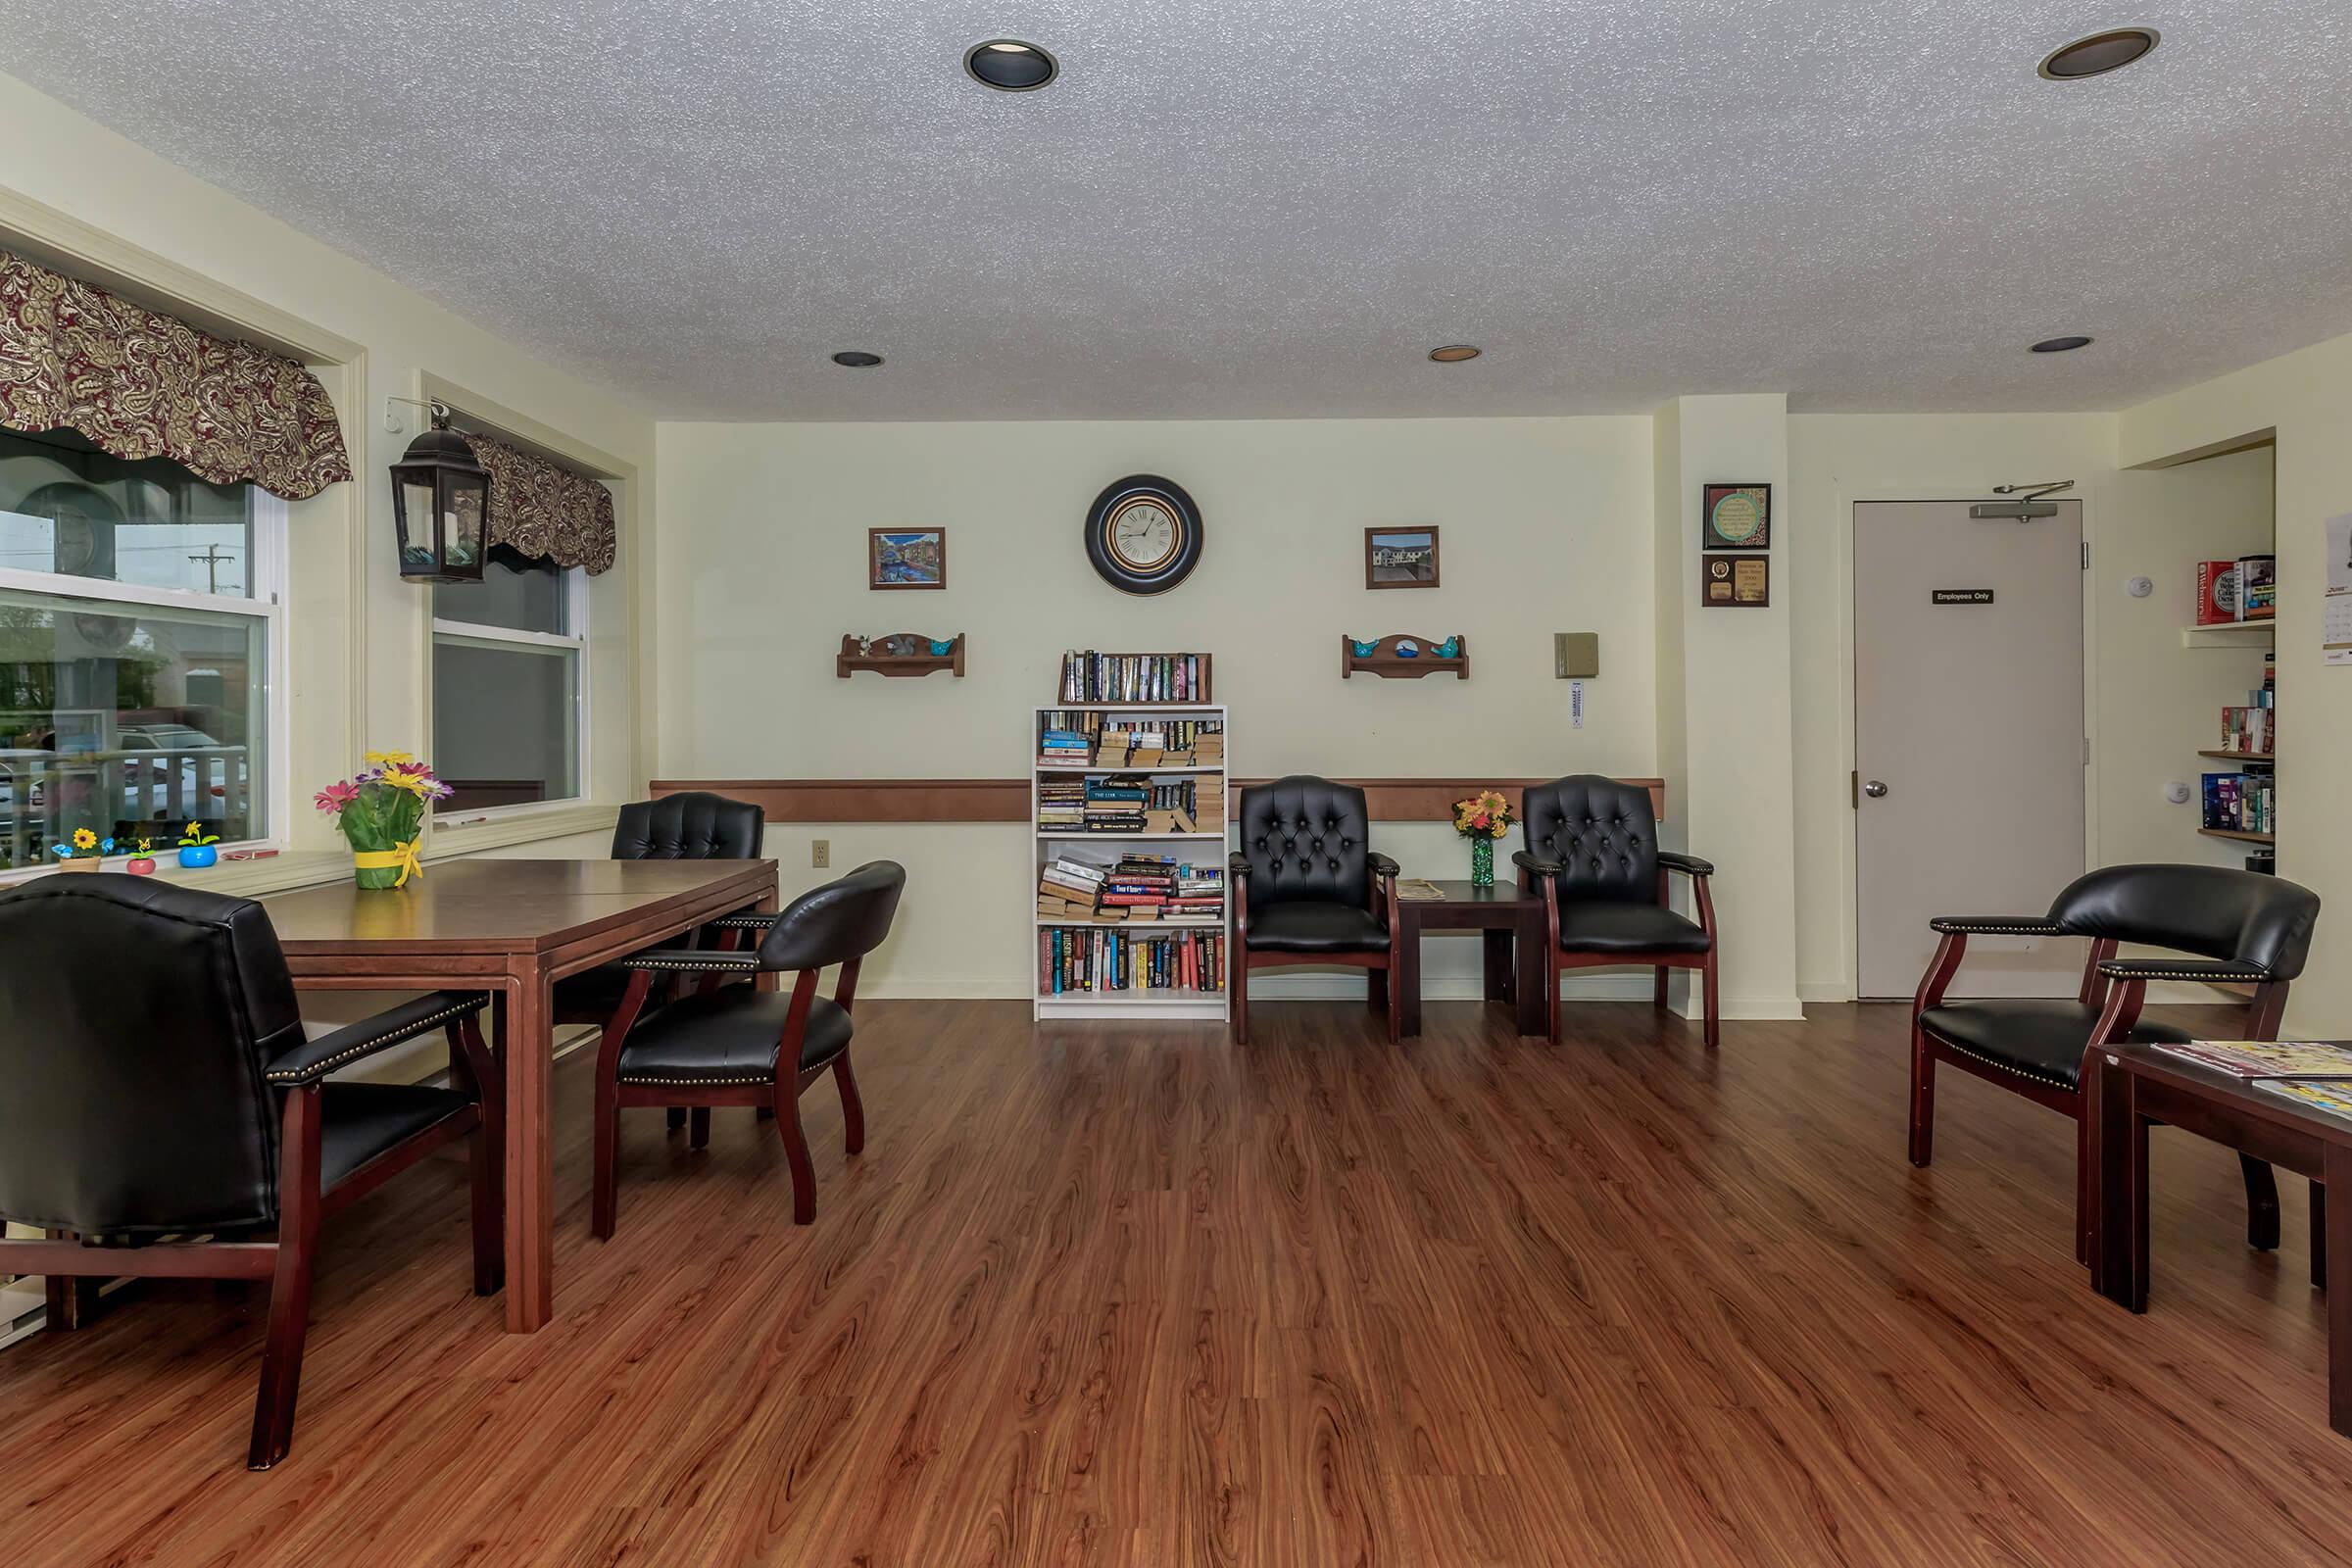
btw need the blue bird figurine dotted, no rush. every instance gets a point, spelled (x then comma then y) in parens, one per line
(1450, 648)
(1363, 650)
(943, 646)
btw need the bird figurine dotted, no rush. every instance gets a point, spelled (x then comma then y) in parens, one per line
(942, 647)
(1363, 650)
(1450, 648)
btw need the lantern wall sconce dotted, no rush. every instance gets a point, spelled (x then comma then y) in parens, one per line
(440, 501)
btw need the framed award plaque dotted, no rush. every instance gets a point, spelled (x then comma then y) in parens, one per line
(1735, 517)
(1735, 582)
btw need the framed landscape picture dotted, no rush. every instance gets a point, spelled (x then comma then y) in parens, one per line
(905, 558)
(1401, 557)
(1735, 517)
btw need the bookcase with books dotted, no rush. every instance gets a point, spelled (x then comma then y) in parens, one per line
(2242, 806)
(1127, 805)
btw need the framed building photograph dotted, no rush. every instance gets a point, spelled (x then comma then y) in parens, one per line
(1735, 582)
(907, 558)
(1735, 517)
(1401, 557)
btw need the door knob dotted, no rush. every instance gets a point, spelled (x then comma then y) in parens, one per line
(1873, 788)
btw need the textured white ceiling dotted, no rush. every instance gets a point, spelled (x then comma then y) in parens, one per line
(1249, 209)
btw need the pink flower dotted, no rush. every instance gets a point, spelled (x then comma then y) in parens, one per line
(335, 797)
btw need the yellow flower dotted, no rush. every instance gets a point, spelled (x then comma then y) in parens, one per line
(194, 828)
(400, 779)
(84, 839)
(392, 758)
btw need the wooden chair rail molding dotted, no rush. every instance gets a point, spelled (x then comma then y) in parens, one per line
(1006, 799)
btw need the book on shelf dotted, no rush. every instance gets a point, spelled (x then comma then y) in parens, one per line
(1108, 962)
(2241, 802)
(1091, 677)
(2265, 1058)
(2331, 1097)
(2258, 587)
(2217, 592)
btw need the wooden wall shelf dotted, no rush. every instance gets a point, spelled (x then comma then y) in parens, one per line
(2234, 834)
(1384, 661)
(882, 663)
(2258, 759)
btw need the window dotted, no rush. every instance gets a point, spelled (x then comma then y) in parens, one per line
(510, 673)
(138, 618)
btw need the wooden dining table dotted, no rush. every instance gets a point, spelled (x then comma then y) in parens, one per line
(511, 928)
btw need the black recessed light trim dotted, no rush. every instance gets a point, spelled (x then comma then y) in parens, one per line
(2098, 54)
(2061, 345)
(857, 359)
(1011, 64)
(1455, 353)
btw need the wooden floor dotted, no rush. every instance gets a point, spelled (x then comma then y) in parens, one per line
(1117, 1295)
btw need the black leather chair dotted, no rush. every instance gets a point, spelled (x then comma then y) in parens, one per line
(2241, 926)
(694, 826)
(742, 1046)
(159, 1083)
(1591, 848)
(1308, 888)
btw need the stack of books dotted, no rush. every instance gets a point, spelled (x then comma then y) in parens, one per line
(1115, 804)
(2253, 728)
(1106, 960)
(1063, 748)
(1113, 749)
(1068, 889)
(1156, 887)
(2241, 802)
(1093, 677)
(1062, 805)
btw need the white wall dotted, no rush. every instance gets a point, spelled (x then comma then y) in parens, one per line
(1545, 528)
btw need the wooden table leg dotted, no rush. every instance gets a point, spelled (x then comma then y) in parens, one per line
(1533, 974)
(530, 1164)
(2337, 1176)
(2107, 1134)
(1498, 945)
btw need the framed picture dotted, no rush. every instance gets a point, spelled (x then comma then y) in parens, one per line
(905, 558)
(1735, 517)
(1735, 582)
(1401, 557)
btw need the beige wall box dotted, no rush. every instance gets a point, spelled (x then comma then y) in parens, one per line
(1575, 655)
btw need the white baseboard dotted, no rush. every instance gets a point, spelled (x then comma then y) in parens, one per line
(1295, 987)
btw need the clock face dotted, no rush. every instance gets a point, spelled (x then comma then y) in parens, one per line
(1143, 536)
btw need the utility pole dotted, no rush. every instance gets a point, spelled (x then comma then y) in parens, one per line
(211, 560)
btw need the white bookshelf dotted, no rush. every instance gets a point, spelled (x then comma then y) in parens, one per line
(1206, 846)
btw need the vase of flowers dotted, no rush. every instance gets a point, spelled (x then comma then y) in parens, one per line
(380, 813)
(84, 853)
(197, 847)
(1481, 819)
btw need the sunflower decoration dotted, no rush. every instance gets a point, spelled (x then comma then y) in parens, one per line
(86, 844)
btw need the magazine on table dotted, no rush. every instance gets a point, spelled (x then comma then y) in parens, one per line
(2265, 1058)
(2324, 1093)
(1420, 890)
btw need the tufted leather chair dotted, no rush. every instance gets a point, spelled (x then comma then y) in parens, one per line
(1310, 889)
(2244, 928)
(690, 826)
(161, 1084)
(1591, 850)
(742, 1046)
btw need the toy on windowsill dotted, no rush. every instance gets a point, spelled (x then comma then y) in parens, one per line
(84, 853)
(142, 861)
(196, 851)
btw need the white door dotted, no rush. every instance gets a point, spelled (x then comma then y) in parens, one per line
(1968, 739)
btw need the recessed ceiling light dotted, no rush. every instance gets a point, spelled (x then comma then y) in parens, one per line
(2061, 345)
(857, 359)
(2098, 54)
(1010, 65)
(1455, 353)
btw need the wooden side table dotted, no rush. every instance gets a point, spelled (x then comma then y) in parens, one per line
(1512, 923)
(2137, 1087)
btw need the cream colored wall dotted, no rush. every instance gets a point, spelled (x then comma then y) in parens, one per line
(2306, 398)
(357, 677)
(1545, 528)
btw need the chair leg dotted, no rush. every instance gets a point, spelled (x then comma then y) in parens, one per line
(698, 1128)
(2261, 1203)
(1923, 1100)
(796, 1154)
(1658, 985)
(676, 1116)
(290, 1285)
(2318, 1236)
(604, 1207)
(1708, 1016)
(1551, 994)
(853, 1109)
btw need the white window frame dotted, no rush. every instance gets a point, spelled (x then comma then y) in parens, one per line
(266, 604)
(576, 616)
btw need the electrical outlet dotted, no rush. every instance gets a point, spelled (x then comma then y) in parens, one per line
(820, 853)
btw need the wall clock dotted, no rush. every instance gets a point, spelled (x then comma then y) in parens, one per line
(1143, 534)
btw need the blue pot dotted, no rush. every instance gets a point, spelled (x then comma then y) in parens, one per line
(196, 857)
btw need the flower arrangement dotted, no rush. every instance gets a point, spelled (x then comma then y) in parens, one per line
(84, 853)
(1482, 818)
(196, 847)
(380, 813)
(142, 853)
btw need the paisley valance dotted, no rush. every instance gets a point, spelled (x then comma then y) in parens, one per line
(141, 384)
(538, 508)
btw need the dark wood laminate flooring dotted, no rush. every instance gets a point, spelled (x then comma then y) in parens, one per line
(1121, 1295)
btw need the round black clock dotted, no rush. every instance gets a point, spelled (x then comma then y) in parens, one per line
(1143, 534)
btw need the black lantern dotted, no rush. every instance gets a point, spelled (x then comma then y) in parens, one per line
(440, 497)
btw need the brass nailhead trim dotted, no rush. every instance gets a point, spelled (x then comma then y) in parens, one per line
(405, 1032)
